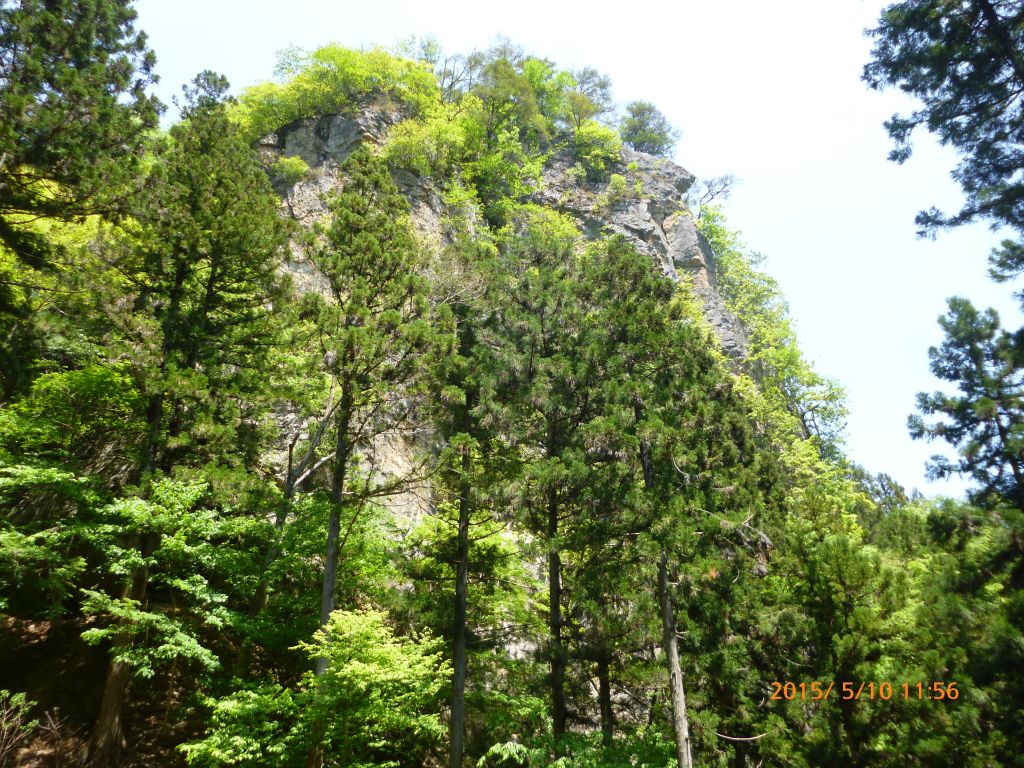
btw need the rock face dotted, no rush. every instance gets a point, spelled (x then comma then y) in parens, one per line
(647, 209)
(642, 201)
(645, 205)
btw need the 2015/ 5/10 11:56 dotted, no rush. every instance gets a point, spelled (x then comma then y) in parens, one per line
(885, 691)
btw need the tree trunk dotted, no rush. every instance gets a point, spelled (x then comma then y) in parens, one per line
(604, 699)
(315, 756)
(677, 694)
(457, 726)
(558, 712)
(680, 723)
(107, 737)
(341, 457)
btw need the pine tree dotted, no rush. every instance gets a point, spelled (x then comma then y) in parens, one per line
(376, 335)
(985, 421)
(74, 113)
(202, 269)
(965, 61)
(537, 394)
(645, 129)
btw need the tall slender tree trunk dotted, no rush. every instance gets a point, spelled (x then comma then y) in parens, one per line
(342, 450)
(558, 711)
(680, 722)
(604, 698)
(677, 694)
(457, 726)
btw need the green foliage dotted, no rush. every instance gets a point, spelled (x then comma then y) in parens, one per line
(90, 419)
(435, 145)
(616, 191)
(643, 748)
(380, 692)
(182, 561)
(597, 147)
(596, 482)
(378, 697)
(40, 508)
(985, 420)
(331, 80)
(645, 129)
(290, 170)
(202, 269)
(376, 329)
(252, 728)
(16, 724)
(74, 114)
(963, 61)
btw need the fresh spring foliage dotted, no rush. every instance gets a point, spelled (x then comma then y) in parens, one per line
(379, 694)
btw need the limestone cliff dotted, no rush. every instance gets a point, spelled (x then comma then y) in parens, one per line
(644, 204)
(649, 211)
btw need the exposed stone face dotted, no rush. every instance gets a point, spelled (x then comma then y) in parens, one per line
(650, 213)
(648, 210)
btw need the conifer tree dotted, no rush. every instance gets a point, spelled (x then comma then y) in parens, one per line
(202, 271)
(74, 113)
(538, 394)
(985, 421)
(965, 61)
(375, 333)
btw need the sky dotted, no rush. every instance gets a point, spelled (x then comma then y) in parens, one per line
(768, 92)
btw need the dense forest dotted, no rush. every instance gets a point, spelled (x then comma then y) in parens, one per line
(361, 419)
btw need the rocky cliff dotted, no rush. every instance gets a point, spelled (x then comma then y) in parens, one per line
(643, 202)
(648, 209)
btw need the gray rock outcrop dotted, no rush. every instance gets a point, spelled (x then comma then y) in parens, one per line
(642, 201)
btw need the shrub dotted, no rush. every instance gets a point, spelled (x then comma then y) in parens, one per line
(434, 145)
(15, 724)
(597, 148)
(289, 170)
(377, 704)
(617, 190)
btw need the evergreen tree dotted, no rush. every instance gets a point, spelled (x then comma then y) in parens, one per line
(964, 60)
(74, 113)
(375, 333)
(985, 421)
(538, 394)
(202, 271)
(645, 129)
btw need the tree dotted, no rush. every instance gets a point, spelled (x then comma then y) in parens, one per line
(645, 129)
(74, 113)
(537, 394)
(376, 336)
(589, 98)
(985, 421)
(964, 61)
(202, 274)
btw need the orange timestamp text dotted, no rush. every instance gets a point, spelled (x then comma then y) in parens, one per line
(869, 690)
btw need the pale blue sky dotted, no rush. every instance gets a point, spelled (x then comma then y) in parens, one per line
(769, 92)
